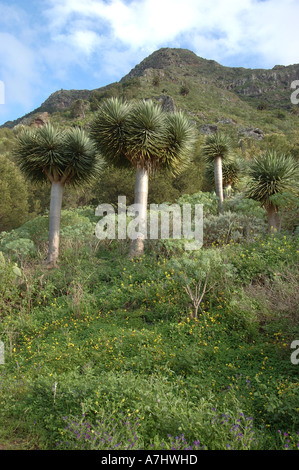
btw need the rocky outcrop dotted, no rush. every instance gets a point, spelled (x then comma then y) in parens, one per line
(224, 120)
(40, 120)
(251, 132)
(167, 103)
(63, 99)
(208, 129)
(173, 65)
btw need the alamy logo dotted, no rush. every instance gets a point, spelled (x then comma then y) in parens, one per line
(1, 352)
(295, 94)
(295, 354)
(2, 93)
(162, 221)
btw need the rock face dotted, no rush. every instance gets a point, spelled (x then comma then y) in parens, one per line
(168, 103)
(63, 99)
(181, 66)
(41, 120)
(57, 101)
(208, 129)
(165, 58)
(36, 120)
(229, 121)
(252, 132)
(271, 85)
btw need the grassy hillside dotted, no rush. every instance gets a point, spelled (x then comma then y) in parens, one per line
(213, 91)
(108, 348)
(109, 353)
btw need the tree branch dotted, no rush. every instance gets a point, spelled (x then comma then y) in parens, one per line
(48, 175)
(65, 176)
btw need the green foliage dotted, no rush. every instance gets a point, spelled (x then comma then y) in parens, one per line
(184, 90)
(263, 258)
(231, 172)
(34, 155)
(242, 220)
(173, 382)
(14, 196)
(244, 206)
(108, 345)
(48, 154)
(288, 205)
(142, 134)
(262, 106)
(109, 432)
(79, 108)
(208, 200)
(145, 132)
(112, 183)
(272, 174)
(20, 247)
(6, 140)
(10, 276)
(105, 344)
(35, 231)
(217, 145)
(156, 80)
(108, 130)
(231, 227)
(115, 181)
(29, 239)
(82, 164)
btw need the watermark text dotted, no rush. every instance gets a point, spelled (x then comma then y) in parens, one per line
(295, 354)
(295, 94)
(1, 352)
(162, 221)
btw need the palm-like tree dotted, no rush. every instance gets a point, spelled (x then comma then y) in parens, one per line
(217, 149)
(231, 172)
(272, 174)
(142, 135)
(49, 155)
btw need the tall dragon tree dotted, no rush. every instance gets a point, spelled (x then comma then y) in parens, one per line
(272, 174)
(142, 135)
(216, 150)
(231, 173)
(60, 158)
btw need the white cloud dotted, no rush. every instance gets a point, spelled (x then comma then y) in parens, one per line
(82, 42)
(215, 30)
(150, 22)
(103, 39)
(17, 69)
(274, 29)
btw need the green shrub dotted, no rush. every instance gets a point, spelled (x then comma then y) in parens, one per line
(14, 195)
(19, 248)
(261, 259)
(208, 200)
(110, 338)
(231, 227)
(10, 276)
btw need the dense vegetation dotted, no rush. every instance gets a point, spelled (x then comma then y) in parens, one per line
(112, 345)
(108, 352)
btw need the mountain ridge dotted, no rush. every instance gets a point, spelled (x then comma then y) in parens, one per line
(245, 82)
(270, 86)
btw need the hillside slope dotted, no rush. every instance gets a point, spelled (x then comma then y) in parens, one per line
(271, 86)
(210, 92)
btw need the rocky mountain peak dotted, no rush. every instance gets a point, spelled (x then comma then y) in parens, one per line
(171, 59)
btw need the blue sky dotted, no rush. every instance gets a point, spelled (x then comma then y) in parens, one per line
(86, 44)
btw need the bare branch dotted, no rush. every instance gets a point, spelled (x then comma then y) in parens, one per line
(197, 296)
